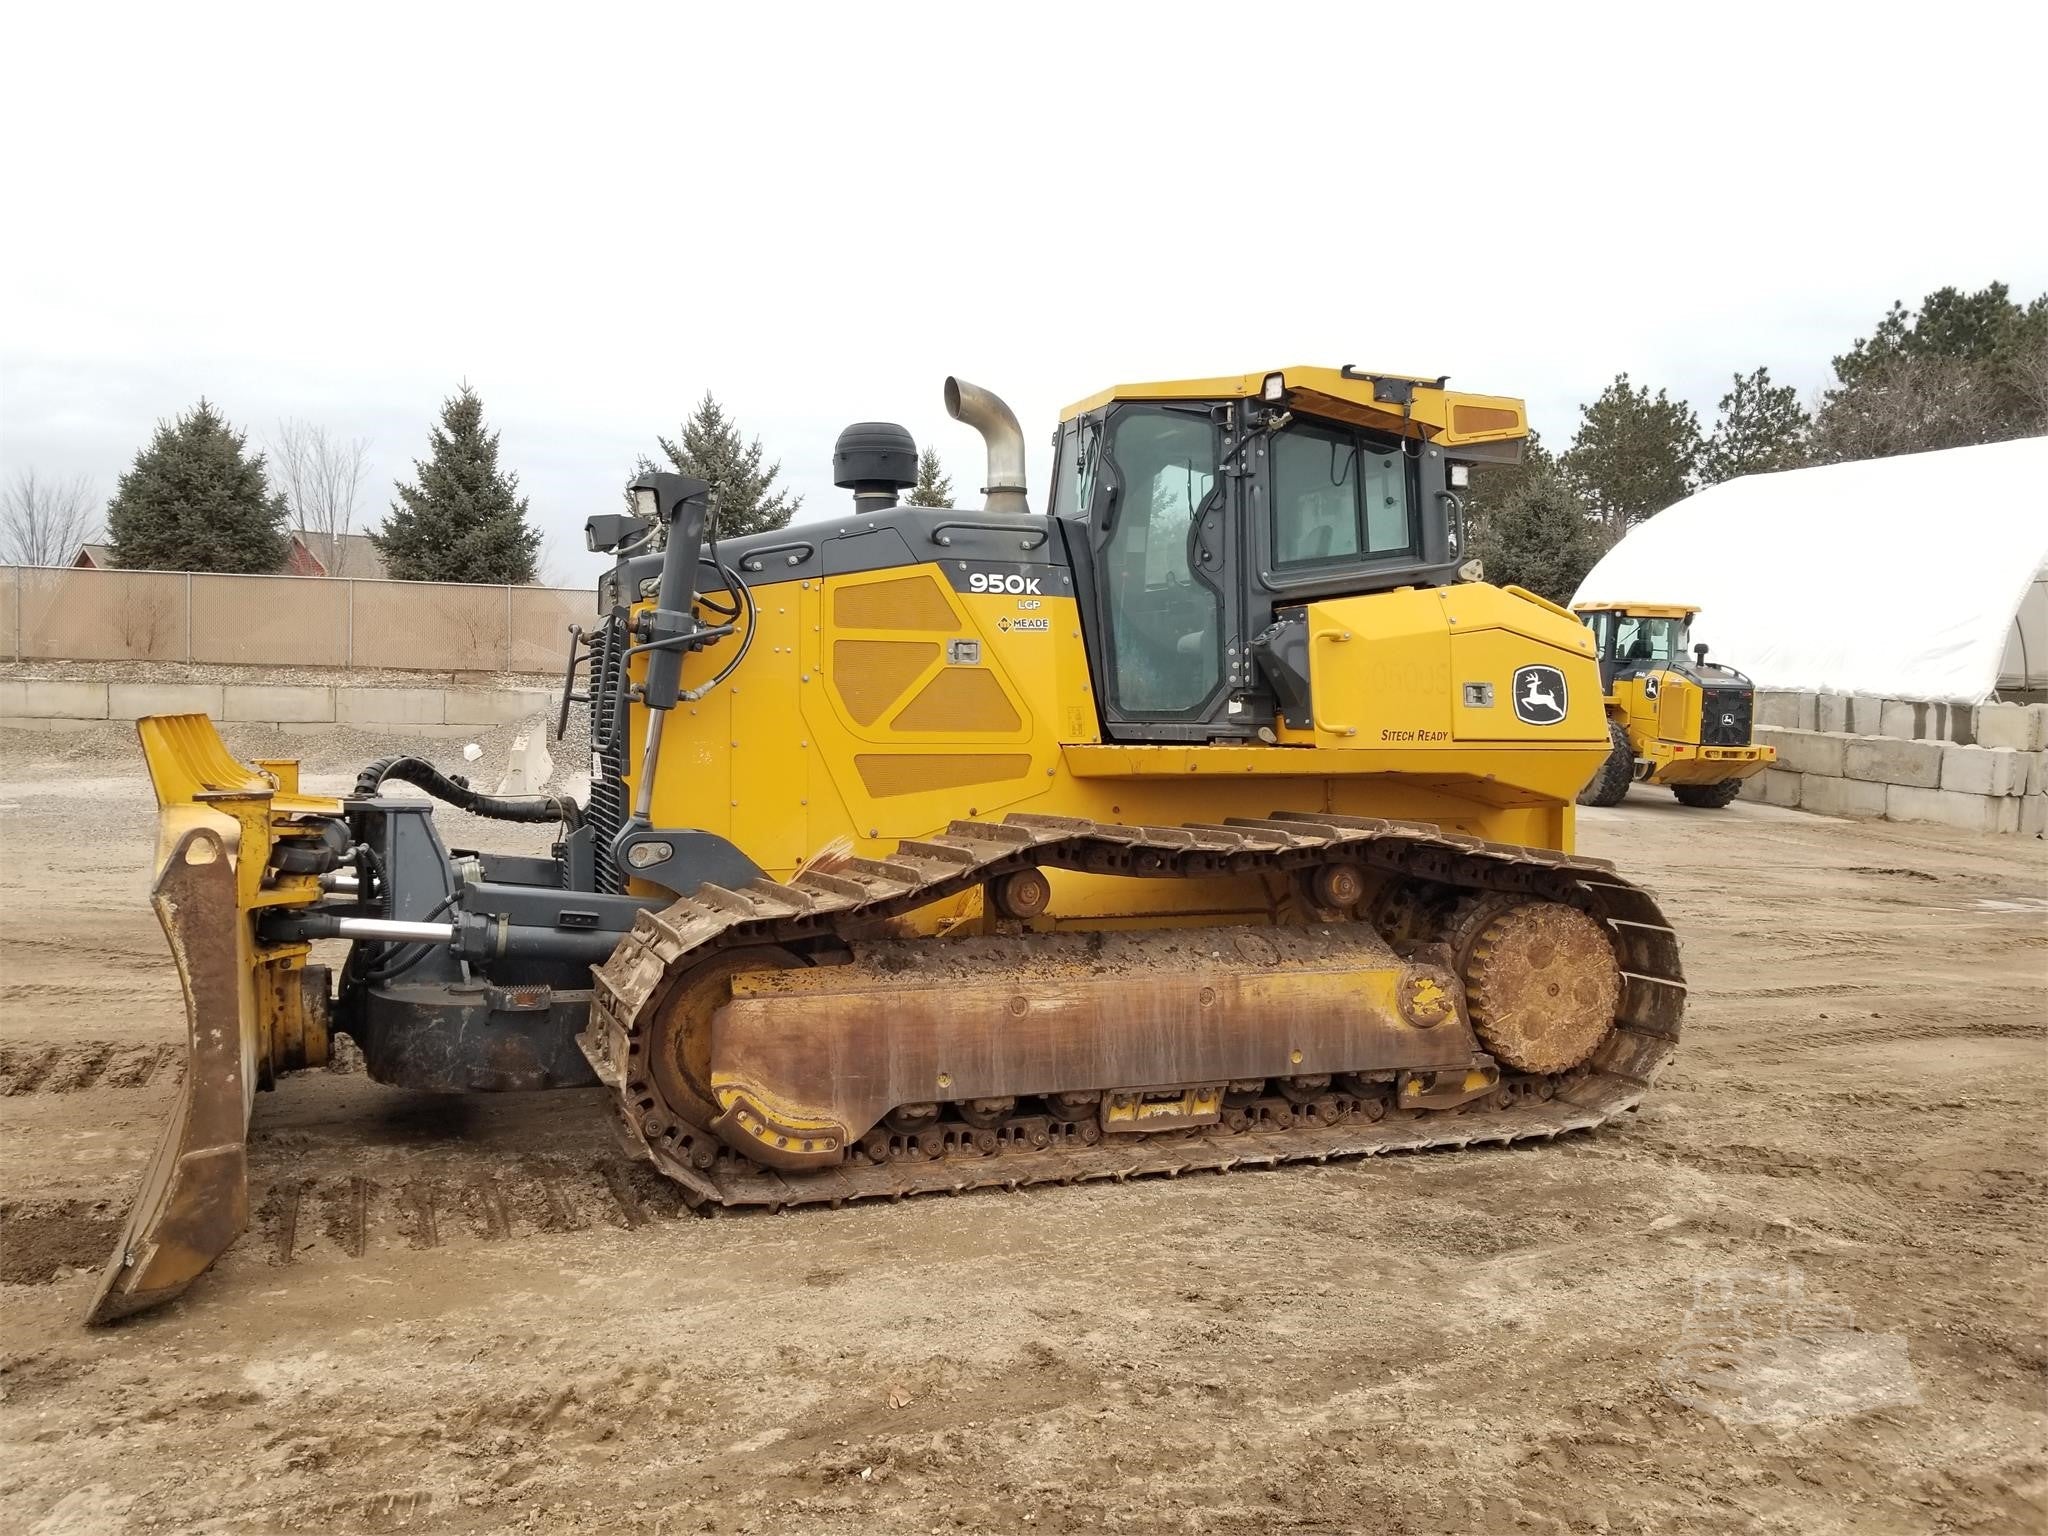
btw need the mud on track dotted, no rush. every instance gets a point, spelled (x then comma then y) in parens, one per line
(482, 1315)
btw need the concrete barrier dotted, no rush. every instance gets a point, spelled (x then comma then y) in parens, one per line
(1976, 788)
(1996, 771)
(1866, 714)
(391, 706)
(1983, 767)
(504, 706)
(131, 701)
(277, 703)
(38, 698)
(1791, 711)
(1774, 786)
(1880, 760)
(1952, 808)
(529, 764)
(1851, 798)
(1806, 751)
(59, 704)
(2023, 727)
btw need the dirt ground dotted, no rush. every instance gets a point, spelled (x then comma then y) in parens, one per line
(1800, 1291)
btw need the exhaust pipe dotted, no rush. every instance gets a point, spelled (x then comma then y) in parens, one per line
(997, 424)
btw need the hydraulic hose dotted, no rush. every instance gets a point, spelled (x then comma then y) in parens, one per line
(422, 774)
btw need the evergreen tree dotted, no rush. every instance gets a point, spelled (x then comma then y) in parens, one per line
(1982, 327)
(1634, 455)
(934, 487)
(1964, 368)
(465, 519)
(1540, 536)
(712, 450)
(1493, 484)
(1761, 427)
(194, 501)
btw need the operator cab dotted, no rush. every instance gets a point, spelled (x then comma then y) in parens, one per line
(1201, 517)
(1631, 639)
(1634, 638)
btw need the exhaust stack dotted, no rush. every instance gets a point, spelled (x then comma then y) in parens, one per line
(997, 424)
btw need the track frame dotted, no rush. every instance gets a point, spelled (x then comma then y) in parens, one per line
(839, 906)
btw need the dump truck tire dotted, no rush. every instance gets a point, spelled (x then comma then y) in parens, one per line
(1708, 797)
(1611, 783)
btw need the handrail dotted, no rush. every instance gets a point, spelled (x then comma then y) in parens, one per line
(1335, 637)
(798, 553)
(1033, 537)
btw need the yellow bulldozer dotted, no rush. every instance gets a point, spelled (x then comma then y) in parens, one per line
(1204, 817)
(1674, 722)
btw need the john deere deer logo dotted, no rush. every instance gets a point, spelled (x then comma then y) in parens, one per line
(1540, 697)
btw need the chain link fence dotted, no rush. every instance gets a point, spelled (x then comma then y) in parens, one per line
(72, 614)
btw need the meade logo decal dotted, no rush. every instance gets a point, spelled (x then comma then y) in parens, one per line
(1539, 695)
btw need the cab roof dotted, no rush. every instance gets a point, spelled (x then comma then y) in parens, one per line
(1641, 610)
(1384, 402)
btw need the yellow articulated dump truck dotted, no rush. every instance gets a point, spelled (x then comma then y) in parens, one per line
(1676, 722)
(1198, 817)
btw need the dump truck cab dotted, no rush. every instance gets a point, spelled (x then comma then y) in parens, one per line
(1677, 720)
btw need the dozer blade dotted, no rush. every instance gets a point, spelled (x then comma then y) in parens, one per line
(194, 1200)
(252, 1010)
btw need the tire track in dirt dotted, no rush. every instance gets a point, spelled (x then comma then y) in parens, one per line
(1776, 993)
(344, 1218)
(84, 1064)
(1805, 1042)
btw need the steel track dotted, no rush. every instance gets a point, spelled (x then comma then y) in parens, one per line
(633, 986)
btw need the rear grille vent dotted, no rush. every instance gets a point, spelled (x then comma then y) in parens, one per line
(1725, 716)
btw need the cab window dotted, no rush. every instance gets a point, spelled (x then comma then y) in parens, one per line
(1337, 498)
(1602, 625)
(1165, 630)
(1074, 475)
(1640, 639)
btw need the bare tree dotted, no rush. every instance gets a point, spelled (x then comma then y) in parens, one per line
(1908, 405)
(321, 477)
(547, 563)
(42, 522)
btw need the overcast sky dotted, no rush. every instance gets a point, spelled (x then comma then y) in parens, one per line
(595, 213)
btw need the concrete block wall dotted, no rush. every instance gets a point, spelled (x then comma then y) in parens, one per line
(55, 704)
(2023, 727)
(1999, 786)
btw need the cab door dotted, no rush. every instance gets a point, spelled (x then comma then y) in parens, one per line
(1164, 566)
(1635, 673)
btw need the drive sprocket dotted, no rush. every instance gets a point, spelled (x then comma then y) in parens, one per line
(1542, 983)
